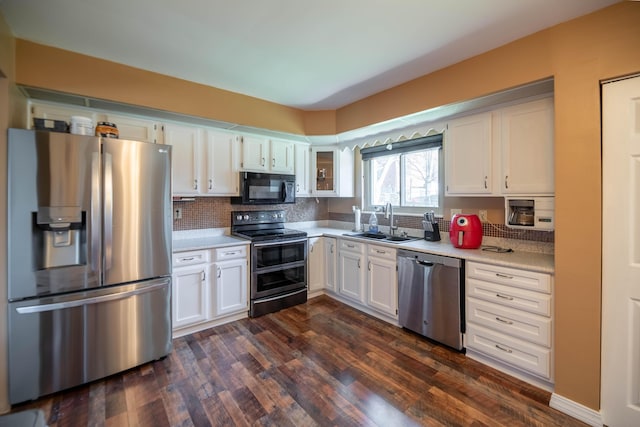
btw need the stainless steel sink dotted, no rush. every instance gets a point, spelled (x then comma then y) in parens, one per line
(382, 237)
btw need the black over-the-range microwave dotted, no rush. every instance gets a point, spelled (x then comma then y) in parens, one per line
(258, 188)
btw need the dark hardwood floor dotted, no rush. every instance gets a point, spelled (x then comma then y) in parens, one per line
(321, 363)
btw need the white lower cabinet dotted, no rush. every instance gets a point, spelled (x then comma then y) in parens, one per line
(382, 279)
(208, 287)
(190, 288)
(509, 319)
(316, 265)
(351, 256)
(331, 264)
(230, 280)
(367, 275)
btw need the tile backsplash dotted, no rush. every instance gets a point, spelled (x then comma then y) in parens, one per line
(215, 212)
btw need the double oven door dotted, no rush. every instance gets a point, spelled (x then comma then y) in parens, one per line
(278, 268)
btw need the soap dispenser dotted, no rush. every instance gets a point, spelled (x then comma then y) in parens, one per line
(373, 223)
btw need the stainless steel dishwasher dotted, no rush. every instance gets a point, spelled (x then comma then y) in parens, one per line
(430, 291)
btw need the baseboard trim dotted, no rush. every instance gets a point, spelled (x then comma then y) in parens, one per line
(576, 410)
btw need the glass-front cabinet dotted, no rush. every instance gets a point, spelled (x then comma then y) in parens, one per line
(333, 171)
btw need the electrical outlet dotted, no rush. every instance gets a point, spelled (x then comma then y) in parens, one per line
(455, 211)
(482, 214)
(177, 213)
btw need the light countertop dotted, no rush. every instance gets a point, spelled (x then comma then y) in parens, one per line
(532, 261)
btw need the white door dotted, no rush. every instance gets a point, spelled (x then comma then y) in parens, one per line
(189, 295)
(254, 153)
(383, 285)
(230, 286)
(281, 157)
(621, 253)
(185, 158)
(330, 257)
(351, 275)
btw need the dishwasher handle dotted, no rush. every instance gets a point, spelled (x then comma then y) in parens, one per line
(424, 263)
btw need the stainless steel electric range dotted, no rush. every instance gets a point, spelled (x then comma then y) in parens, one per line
(278, 260)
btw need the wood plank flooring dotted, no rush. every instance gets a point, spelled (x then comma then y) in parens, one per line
(320, 363)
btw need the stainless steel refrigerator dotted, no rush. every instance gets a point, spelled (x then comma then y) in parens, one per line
(89, 258)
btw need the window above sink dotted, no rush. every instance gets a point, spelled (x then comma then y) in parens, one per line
(408, 174)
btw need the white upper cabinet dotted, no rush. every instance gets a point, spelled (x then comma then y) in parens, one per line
(222, 163)
(508, 151)
(332, 172)
(58, 112)
(185, 158)
(134, 128)
(526, 139)
(302, 162)
(282, 157)
(468, 156)
(261, 154)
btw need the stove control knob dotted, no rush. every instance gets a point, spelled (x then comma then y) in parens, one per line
(280, 215)
(239, 217)
(246, 217)
(275, 216)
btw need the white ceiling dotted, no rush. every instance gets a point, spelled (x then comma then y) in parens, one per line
(315, 55)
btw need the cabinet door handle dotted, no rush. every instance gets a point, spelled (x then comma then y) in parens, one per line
(506, 182)
(499, 347)
(195, 184)
(331, 249)
(311, 248)
(210, 184)
(219, 272)
(508, 298)
(358, 262)
(369, 266)
(273, 162)
(204, 276)
(485, 182)
(298, 188)
(504, 276)
(262, 162)
(507, 322)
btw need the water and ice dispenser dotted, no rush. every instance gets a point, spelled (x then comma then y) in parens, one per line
(60, 236)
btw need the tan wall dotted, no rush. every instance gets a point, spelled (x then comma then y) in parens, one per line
(578, 54)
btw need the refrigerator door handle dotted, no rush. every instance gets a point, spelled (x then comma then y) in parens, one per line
(95, 212)
(108, 210)
(91, 300)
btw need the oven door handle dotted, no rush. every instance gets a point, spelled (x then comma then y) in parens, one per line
(277, 297)
(279, 242)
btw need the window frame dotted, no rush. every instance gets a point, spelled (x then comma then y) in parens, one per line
(403, 147)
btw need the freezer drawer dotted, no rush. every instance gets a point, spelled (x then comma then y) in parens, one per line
(60, 342)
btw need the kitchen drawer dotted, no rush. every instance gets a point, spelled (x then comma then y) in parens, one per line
(190, 258)
(381, 251)
(351, 246)
(522, 325)
(533, 302)
(520, 354)
(231, 252)
(534, 281)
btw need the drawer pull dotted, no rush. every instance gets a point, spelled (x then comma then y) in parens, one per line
(187, 259)
(351, 246)
(232, 253)
(503, 349)
(381, 252)
(508, 298)
(507, 322)
(504, 276)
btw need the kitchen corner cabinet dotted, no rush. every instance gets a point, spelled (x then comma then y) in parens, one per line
(351, 270)
(316, 264)
(509, 320)
(331, 264)
(261, 154)
(332, 170)
(526, 138)
(302, 163)
(382, 279)
(468, 153)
